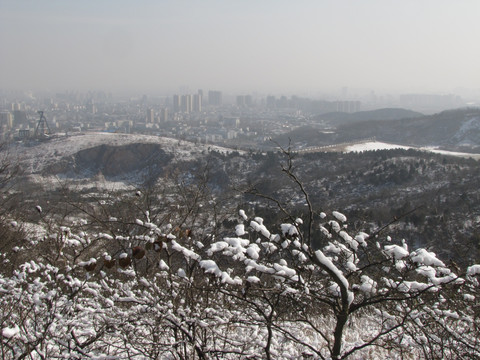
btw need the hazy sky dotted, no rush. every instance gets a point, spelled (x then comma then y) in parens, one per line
(240, 46)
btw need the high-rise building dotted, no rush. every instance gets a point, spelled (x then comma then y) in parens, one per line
(347, 106)
(186, 103)
(19, 117)
(176, 103)
(197, 103)
(150, 116)
(240, 100)
(283, 102)
(6, 119)
(164, 115)
(16, 106)
(215, 98)
(271, 102)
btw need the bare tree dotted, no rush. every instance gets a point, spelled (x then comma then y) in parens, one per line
(154, 275)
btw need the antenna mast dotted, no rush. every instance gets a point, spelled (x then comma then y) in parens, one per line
(42, 130)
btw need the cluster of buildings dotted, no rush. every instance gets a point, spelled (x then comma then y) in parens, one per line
(240, 120)
(199, 116)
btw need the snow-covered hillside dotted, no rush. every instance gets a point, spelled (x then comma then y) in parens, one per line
(38, 156)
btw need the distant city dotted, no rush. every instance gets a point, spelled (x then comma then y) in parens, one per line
(201, 116)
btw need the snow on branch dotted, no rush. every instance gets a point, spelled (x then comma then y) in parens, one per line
(339, 216)
(258, 226)
(473, 270)
(186, 252)
(341, 280)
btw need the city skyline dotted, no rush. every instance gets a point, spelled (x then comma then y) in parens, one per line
(240, 47)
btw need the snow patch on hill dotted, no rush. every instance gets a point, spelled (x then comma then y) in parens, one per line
(376, 145)
(372, 146)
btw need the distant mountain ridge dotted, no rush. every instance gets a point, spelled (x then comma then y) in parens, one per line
(453, 130)
(456, 130)
(339, 118)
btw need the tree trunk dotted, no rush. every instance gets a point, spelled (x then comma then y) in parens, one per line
(342, 318)
(269, 341)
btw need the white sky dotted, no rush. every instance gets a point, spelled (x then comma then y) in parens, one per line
(243, 46)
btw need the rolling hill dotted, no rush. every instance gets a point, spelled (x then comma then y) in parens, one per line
(340, 118)
(455, 130)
